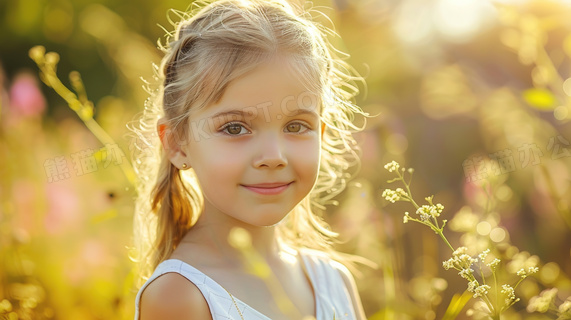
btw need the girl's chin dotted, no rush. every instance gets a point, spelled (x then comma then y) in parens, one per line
(267, 220)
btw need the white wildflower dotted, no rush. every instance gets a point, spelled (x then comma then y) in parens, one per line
(394, 195)
(459, 251)
(494, 264)
(448, 264)
(466, 273)
(429, 210)
(481, 291)
(392, 166)
(465, 260)
(472, 285)
(510, 293)
(484, 254)
(460, 261)
(532, 270)
(406, 217)
(525, 273)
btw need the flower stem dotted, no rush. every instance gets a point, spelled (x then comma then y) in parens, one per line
(81, 106)
(406, 185)
(441, 234)
(496, 285)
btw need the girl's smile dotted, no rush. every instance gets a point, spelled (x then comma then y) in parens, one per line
(268, 188)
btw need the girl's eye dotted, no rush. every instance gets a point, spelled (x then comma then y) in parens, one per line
(234, 129)
(296, 127)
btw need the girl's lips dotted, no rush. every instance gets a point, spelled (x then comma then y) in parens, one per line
(268, 189)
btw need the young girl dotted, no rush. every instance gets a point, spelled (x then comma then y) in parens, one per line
(254, 117)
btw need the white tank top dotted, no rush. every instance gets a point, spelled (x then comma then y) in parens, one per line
(332, 297)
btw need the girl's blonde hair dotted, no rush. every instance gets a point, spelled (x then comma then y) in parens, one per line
(214, 44)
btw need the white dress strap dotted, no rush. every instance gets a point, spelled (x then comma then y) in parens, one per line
(333, 300)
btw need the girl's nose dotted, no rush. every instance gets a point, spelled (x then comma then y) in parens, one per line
(271, 152)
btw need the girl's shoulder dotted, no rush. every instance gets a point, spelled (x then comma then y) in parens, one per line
(188, 291)
(171, 296)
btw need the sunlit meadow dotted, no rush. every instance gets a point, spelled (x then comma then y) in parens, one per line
(472, 100)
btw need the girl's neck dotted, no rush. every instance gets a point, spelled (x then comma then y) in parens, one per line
(212, 233)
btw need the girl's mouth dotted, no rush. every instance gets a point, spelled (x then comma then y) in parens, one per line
(268, 188)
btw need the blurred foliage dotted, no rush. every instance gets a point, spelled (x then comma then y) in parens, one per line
(474, 95)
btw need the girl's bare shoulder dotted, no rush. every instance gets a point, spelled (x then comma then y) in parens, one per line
(172, 296)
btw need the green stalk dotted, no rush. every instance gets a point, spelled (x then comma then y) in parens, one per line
(441, 234)
(47, 64)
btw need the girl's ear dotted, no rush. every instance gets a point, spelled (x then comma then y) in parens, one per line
(172, 148)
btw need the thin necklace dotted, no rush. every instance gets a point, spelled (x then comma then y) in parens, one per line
(235, 305)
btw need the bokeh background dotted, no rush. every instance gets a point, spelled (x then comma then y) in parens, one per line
(473, 94)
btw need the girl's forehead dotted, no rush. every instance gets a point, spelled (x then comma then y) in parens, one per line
(272, 84)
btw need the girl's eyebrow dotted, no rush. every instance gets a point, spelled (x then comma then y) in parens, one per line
(239, 113)
(299, 111)
(253, 112)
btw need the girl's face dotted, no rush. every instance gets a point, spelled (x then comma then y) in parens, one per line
(256, 151)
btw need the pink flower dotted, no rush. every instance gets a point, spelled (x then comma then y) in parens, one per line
(26, 99)
(63, 213)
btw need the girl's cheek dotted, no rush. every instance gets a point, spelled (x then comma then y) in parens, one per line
(309, 153)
